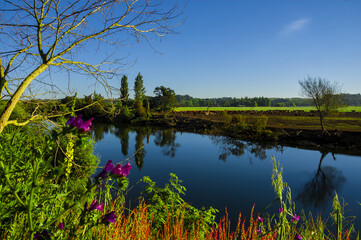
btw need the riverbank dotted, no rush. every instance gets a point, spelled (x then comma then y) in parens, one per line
(288, 131)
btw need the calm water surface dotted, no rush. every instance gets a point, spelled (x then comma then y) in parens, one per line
(221, 172)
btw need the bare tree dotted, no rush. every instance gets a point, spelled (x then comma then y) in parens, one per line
(42, 36)
(326, 96)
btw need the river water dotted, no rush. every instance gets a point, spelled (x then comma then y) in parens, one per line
(223, 172)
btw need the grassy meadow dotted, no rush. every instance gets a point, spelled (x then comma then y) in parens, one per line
(306, 109)
(339, 120)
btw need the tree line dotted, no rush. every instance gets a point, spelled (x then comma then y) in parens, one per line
(188, 101)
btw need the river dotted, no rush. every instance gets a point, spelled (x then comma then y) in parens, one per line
(222, 172)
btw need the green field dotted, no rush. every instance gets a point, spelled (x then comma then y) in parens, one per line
(306, 109)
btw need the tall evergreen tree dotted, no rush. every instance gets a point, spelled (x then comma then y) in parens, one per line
(139, 90)
(124, 91)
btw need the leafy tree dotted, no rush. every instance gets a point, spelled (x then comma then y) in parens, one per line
(326, 96)
(139, 90)
(139, 95)
(165, 98)
(124, 91)
(39, 37)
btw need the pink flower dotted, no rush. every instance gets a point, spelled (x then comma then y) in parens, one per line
(295, 218)
(121, 171)
(299, 237)
(259, 231)
(280, 210)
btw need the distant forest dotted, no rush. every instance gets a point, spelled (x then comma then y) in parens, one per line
(188, 101)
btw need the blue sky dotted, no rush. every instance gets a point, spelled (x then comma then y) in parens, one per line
(239, 48)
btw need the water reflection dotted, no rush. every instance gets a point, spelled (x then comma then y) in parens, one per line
(139, 155)
(123, 135)
(165, 138)
(319, 191)
(100, 130)
(234, 147)
(241, 178)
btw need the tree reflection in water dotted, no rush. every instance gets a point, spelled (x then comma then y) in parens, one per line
(123, 134)
(165, 138)
(235, 147)
(139, 147)
(319, 191)
(99, 129)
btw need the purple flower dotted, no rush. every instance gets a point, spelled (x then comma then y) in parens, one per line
(259, 219)
(85, 125)
(37, 235)
(79, 123)
(70, 121)
(295, 218)
(95, 206)
(299, 237)
(121, 171)
(44, 233)
(110, 217)
(259, 231)
(61, 226)
(280, 210)
(109, 166)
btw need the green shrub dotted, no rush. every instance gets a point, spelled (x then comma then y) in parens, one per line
(125, 115)
(167, 203)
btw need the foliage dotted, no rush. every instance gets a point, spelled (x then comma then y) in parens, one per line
(188, 101)
(166, 203)
(352, 99)
(20, 112)
(45, 186)
(125, 115)
(165, 99)
(139, 90)
(124, 90)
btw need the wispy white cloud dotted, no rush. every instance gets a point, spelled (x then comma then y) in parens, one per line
(295, 26)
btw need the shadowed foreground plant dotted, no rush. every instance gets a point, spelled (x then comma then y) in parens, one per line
(36, 187)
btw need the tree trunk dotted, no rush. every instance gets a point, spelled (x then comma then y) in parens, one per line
(6, 113)
(321, 122)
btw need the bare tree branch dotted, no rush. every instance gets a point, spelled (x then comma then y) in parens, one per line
(51, 35)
